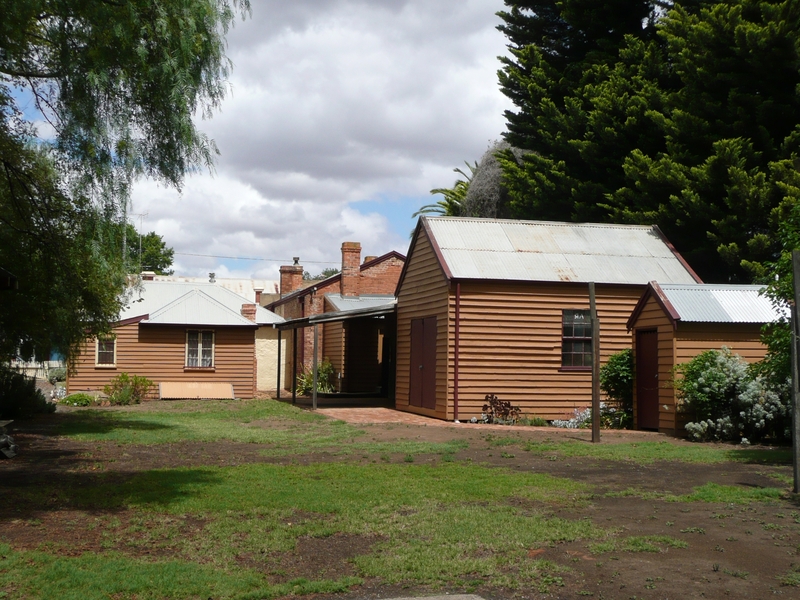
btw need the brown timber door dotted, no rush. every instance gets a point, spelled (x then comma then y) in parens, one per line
(647, 379)
(422, 389)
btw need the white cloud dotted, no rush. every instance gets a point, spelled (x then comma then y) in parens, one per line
(335, 102)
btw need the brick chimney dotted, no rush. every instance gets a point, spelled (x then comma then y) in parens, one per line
(258, 295)
(369, 258)
(351, 262)
(249, 311)
(291, 277)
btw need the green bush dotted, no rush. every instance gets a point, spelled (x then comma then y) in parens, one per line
(727, 400)
(79, 399)
(127, 389)
(616, 381)
(325, 377)
(19, 396)
(56, 375)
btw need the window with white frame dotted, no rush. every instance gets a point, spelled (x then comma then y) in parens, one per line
(199, 348)
(106, 352)
(576, 338)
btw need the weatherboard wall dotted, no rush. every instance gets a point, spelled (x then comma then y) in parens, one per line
(159, 353)
(510, 337)
(423, 293)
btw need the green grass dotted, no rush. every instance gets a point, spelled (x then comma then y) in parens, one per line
(647, 543)
(792, 578)
(443, 524)
(709, 492)
(650, 452)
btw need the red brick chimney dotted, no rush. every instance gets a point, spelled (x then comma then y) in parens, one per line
(258, 295)
(249, 311)
(291, 277)
(351, 263)
(369, 258)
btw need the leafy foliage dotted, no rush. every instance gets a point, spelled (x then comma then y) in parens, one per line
(79, 399)
(727, 401)
(116, 85)
(155, 255)
(616, 380)
(127, 389)
(325, 378)
(453, 198)
(57, 374)
(324, 274)
(499, 411)
(685, 118)
(19, 396)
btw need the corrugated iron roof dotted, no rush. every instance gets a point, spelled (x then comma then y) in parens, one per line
(549, 251)
(243, 287)
(180, 303)
(347, 303)
(710, 303)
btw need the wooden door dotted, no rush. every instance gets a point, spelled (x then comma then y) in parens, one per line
(647, 379)
(422, 389)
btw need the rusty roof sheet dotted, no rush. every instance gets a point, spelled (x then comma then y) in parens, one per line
(550, 251)
(710, 303)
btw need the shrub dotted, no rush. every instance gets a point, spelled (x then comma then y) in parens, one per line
(616, 381)
(19, 396)
(499, 411)
(729, 401)
(325, 376)
(56, 375)
(127, 389)
(79, 399)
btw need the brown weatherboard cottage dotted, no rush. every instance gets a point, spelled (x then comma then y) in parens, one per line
(193, 340)
(489, 306)
(673, 323)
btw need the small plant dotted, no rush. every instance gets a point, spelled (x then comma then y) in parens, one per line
(56, 375)
(616, 381)
(499, 411)
(19, 396)
(325, 377)
(127, 389)
(78, 399)
(534, 421)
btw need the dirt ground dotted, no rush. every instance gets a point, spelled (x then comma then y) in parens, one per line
(735, 551)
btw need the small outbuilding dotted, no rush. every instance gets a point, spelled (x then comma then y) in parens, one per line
(491, 306)
(673, 323)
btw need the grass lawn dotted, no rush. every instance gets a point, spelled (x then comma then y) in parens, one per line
(220, 531)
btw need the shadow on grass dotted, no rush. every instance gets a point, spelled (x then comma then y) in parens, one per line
(761, 456)
(94, 422)
(158, 489)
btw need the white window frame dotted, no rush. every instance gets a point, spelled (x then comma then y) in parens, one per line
(200, 349)
(97, 343)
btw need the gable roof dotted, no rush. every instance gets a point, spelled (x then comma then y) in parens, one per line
(709, 303)
(181, 303)
(499, 249)
(319, 287)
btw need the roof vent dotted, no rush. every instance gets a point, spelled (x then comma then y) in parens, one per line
(296, 260)
(211, 278)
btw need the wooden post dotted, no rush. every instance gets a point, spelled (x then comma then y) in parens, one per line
(595, 365)
(314, 367)
(278, 391)
(294, 365)
(796, 373)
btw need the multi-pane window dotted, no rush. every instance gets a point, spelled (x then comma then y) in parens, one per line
(106, 352)
(576, 339)
(199, 348)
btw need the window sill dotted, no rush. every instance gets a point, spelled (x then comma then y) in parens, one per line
(105, 366)
(574, 369)
(201, 369)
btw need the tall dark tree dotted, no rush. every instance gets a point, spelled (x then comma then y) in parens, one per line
(118, 83)
(691, 124)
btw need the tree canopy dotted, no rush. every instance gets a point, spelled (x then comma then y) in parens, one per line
(155, 255)
(685, 115)
(93, 93)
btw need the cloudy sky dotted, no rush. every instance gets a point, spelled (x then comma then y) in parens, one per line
(342, 115)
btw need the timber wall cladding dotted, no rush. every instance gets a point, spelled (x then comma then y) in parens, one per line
(424, 293)
(158, 353)
(510, 344)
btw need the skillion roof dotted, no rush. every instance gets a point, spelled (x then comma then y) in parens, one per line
(709, 303)
(496, 249)
(179, 303)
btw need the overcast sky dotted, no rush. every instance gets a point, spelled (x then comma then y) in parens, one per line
(342, 115)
